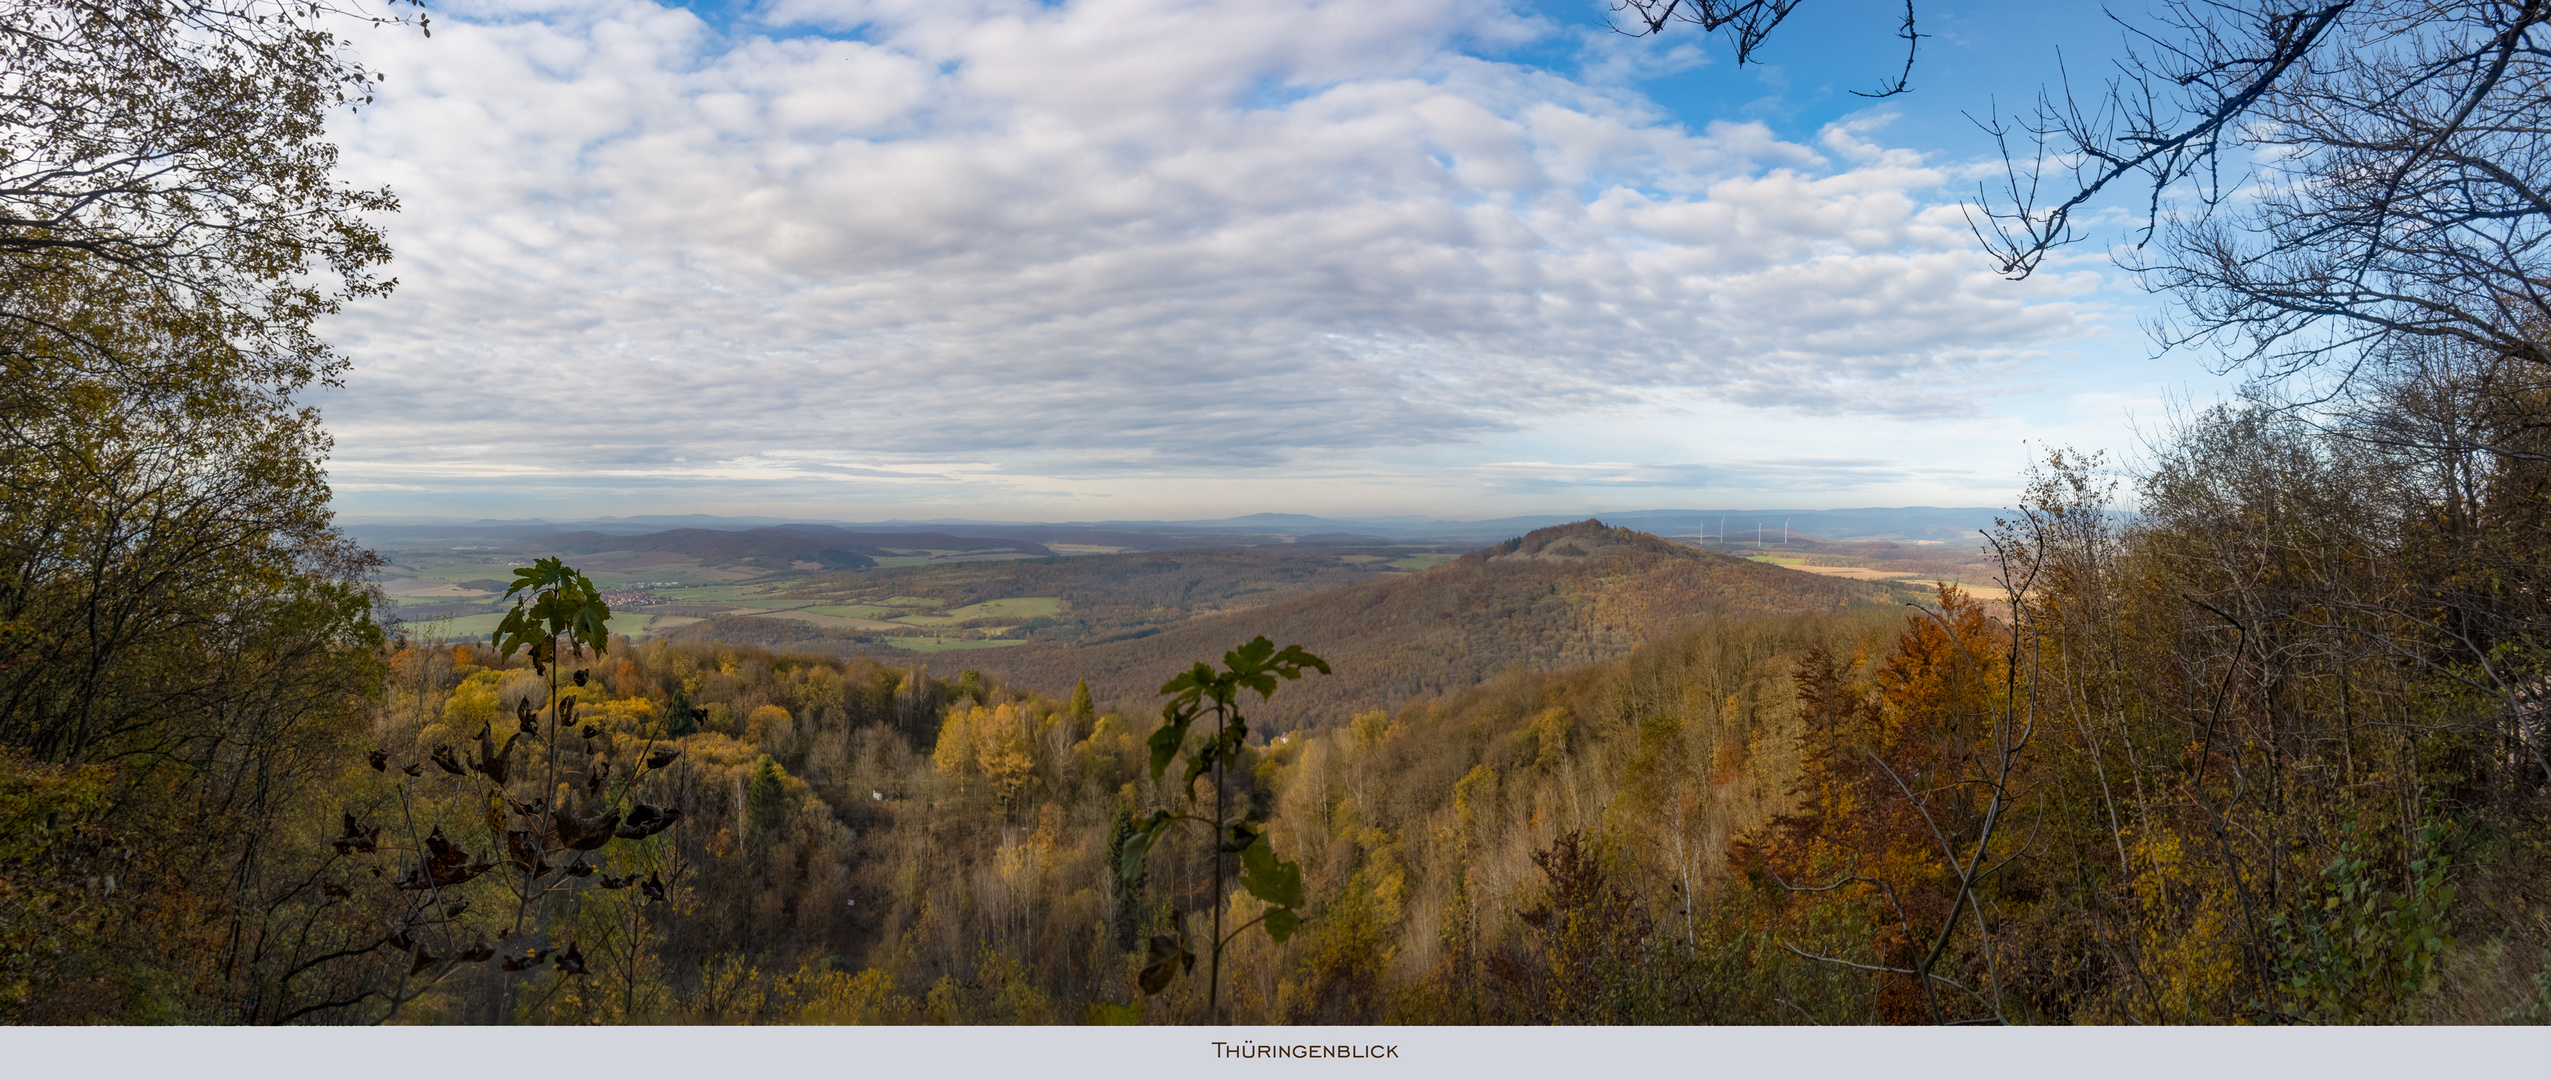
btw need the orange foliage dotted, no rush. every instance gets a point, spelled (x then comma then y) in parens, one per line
(1881, 779)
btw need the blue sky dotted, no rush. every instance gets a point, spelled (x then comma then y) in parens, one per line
(1119, 259)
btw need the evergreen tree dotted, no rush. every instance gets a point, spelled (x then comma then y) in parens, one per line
(677, 712)
(765, 802)
(1127, 920)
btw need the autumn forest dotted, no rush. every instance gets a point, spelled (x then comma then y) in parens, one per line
(2175, 773)
(2250, 725)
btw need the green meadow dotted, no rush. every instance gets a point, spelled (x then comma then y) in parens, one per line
(1015, 607)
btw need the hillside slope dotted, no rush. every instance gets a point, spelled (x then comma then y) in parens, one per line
(1553, 599)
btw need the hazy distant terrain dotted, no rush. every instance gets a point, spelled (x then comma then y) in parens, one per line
(1875, 523)
(1556, 598)
(824, 588)
(1084, 599)
(1400, 621)
(657, 580)
(840, 591)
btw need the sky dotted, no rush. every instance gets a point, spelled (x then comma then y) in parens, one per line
(1178, 259)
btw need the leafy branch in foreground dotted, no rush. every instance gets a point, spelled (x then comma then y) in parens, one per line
(552, 601)
(526, 826)
(1195, 693)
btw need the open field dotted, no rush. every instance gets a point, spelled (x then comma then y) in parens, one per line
(732, 596)
(468, 626)
(946, 595)
(1090, 598)
(409, 588)
(834, 621)
(1855, 573)
(1016, 607)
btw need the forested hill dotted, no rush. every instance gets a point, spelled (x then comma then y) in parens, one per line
(1553, 599)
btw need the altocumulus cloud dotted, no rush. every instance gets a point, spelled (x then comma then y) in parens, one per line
(837, 241)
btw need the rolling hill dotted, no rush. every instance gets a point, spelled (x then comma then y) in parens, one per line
(1555, 598)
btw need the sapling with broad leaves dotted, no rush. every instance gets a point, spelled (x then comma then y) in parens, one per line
(558, 615)
(1197, 693)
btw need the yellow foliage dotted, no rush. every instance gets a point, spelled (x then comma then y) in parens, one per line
(473, 702)
(2191, 947)
(945, 1004)
(771, 728)
(732, 991)
(991, 743)
(624, 715)
(1479, 784)
(1276, 761)
(711, 750)
(1551, 729)
(1111, 748)
(835, 997)
(954, 751)
(1370, 728)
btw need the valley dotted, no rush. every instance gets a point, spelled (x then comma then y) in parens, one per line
(826, 590)
(1556, 598)
(877, 593)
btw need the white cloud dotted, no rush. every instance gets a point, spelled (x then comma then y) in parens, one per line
(1106, 238)
(1791, 475)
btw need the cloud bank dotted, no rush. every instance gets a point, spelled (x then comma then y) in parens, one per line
(906, 251)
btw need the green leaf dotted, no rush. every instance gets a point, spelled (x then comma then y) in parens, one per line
(552, 600)
(1191, 682)
(1278, 883)
(1166, 741)
(1294, 659)
(1251, 656)
(1281, 923)
(1164, 958)
(1138, 845)
(1238, 838)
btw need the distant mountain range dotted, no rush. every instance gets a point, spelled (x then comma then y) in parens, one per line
(1871, 523)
